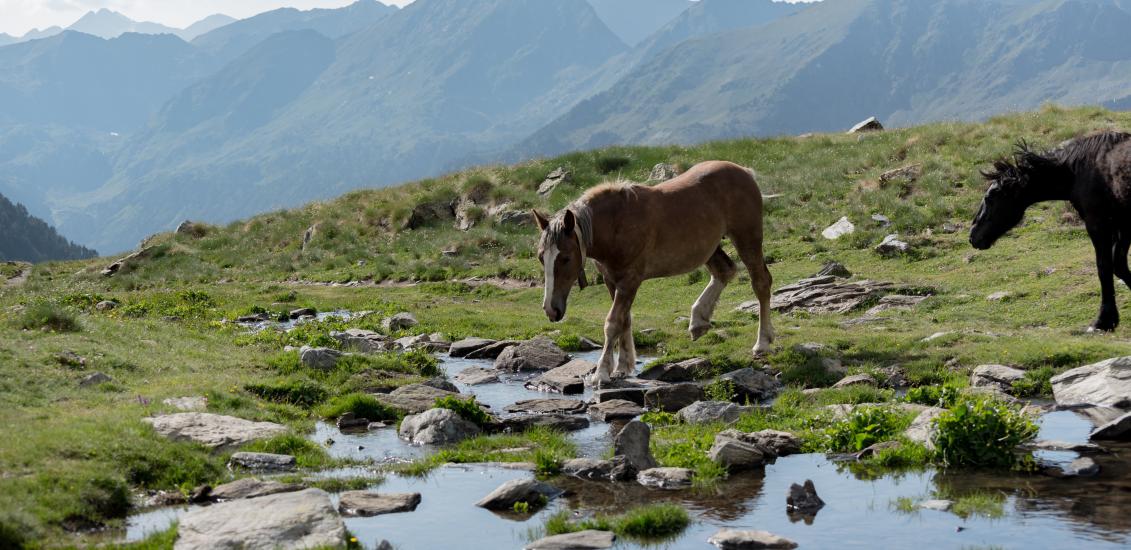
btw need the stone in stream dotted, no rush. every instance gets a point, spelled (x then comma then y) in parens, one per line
(303, 312)
(673, 397)
(436, 427)
(922, 430)
(775, 442)
(1083, 467)
(683, 371)
(632, 444)
(468, 345)
(665, 478)
(261, 461)
(300, 519)
(350, 421)
(560, 422)
(531, 491)
(416, 398)
(535, 354)
(319, 358)
(400, 321)
(635, 395)
(581, 540)
(752, 385)
(363, 341)
(1064, 446)
(547, 406)
(213, 430)
(733, 539)
(492, 351)
(249, 487)
(803, 499)
(856, 380)
(997, 377)
(616, 409)
(703, 412)
(440, 383)
(420, 342)
(1107, 384)
(735, 454)
(474, 376)
(588, 468)
(567, 379)
(937, 505)
(1115, 430)
(369, 503)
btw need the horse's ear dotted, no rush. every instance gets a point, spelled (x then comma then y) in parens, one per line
(541, 220)
(568, 222)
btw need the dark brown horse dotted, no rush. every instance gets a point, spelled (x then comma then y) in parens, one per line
(635, 233)
(1094, 174)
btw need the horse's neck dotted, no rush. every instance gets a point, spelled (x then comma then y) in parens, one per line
(603, 211)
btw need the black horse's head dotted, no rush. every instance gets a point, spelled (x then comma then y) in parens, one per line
(1014, 186)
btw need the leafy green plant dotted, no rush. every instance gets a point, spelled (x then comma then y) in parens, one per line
(936, 396)
(720, 390)
(659, 418)
(1036, 383)
(467, 409)
(865, 426)
(982, 432)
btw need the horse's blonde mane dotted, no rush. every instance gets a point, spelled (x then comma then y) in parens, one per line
(609, 187)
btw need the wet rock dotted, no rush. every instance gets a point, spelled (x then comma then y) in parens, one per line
(834, 269)
(703, 412)
(674, 397)
(732, 539)
(823, 295)
(891, 246)
(734, 454)
(683, 371)
(665, 478)
(616, 409)
(319, 358)
(415, 398)
(300, 519)
(580, 540)
(1115, 430)
(369, 503)
(774, 442)
(938, 505)
(559, 422)
(1064, 446)
(262, 461)
(187, 404)
(870, 124)
(555, 178)
(420, 342)
(212, 430)
(547, 406)
(909, 174)
(492, 351)
(567, 379)
(856, 380)
(1107, 383)
(752, 385)
(303, 312)
(635, 395)
(253, 318)
(997, 377)
(839, 229)
(94, 379)
(400, 321)
(106, 305)
(588, 468)
(632, 443)
(1083, 467)
(922, 430)
(249, 487)
(536, 354)
(468, 345)
(531, 491)
(803, 499)
(474, 376)
(441, 384)
(350, 421)
(436, 427)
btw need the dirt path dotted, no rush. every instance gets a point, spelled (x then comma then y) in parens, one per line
(21, 277)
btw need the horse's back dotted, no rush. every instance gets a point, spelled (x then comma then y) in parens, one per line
(724, 189)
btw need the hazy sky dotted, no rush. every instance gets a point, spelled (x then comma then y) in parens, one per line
(20, 16)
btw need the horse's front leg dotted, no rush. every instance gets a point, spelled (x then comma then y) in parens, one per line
(626, 359)
(615, 325)
(1109, 312)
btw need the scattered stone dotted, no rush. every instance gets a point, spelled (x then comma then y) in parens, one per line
(892, 246)
(665, 478)
(585, 344)
(536, 354)
(581, 540)
(839, 229)
(187, 404)
(938, 505)
(559, 422)
(441, 383)
(299, 519)
(261, 461)
(856, 380)
(615, 409)
(663, 172)
(922, 430)
(400, 321)
(735, 454)
(319, 358)
(1000, 296)
(733, 539)
(893, 377)
(516, 218)
(996, 377)
(212, 430)
(909, 174)
(803, 499)
(635, 395)
(531, 491)
(416, 398)
(253, 318)
(870, 124)
(468, 345)
(436, 427)
(704, 412)
(474, 376)
(1116, 430)
(775, 443)
(683, 371)
(567, 379)
(632, 443)
(674, 397)
(936, 336)
(368, 503)
(555, 178)
(588, 468)
(95, 379)
(190, 229)
(71, 359)
(881, 219)
(303, 312)
(128, 261)
(250, 487)
(106, 305)
(1107, 384)
(350, 421)
(752, 385)
(547, 406)
(834, 269)
(823, 295)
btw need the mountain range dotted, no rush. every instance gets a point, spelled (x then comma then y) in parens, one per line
(30, 239)
(106, 23)
(114, 139)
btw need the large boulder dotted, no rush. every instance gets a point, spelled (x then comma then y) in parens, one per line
(1107, 384)
(531, 491)
(632, 443)
(319, 358)
(1115, 430)
(581, 540)
(665, 478)
(616, 409)
(547, 406)
(996, 377)
(555, 178)
(300, 519)
(752, 385)
(537, 354)
(250, 487)
(703, 412)
(732, 539)
(468, 345)
(735, 454)
(567, 379)
(213, 430)
(673, 397)
(839, 229)
(369, 503)
(436, 427)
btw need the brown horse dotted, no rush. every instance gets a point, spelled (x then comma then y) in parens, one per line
(635, 233)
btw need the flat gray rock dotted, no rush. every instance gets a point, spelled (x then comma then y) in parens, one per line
(560, 422)
(683, 371)
(530, 491)
(213, 430)
(436, 427)
(735, 454)
(363, 341)
(635, 395)
(369, 503)
(703, 412)
(1105, 384)
(547, 406)
(665, 478)
(581, 540)
(468, 345)
(567, 379)
(262, 461)
(856, 380)
(474, 376)
(733, 539)
(249, 487)
(997, 377)
(588, 468)
(187, 404)
(300, 519)
(319, 358)
(752, 385)
(416, 398)
(674, 397)
(539, 354)
(617, 409)
(492, 350)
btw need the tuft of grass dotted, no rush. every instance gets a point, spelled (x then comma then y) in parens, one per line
(467, 409)
(982, 432)
(360, 404)
(307, 453)
(647, 523)
(302, 393)
(48, 317)
(1036, 383)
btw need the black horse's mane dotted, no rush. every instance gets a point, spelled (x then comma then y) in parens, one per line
(1025, 160)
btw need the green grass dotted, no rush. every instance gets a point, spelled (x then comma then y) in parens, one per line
(361, 405)
(539, 446)
(307, 453)
(48, 317)
(651, 523)
(467, 409)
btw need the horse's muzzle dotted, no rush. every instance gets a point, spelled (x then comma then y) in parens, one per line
(554, 314)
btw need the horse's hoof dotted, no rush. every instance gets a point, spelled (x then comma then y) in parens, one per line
(620, 374)
(595, 380)
(697, 332)
(1097, 329)
(760, 351)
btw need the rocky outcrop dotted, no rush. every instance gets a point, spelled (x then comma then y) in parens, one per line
(567, 379)
(128, 261)
(665, 478)
(632, 443)
(474, 376)
(580, 540)
(870, 124)
(823, 295)
(555, 178)
(369, 503)
(1106, 384)
(662, 172)
(492, 350)
(733, 539)
(300, 519)
(1118, 429)
(740, 450)
(213, 430)
(803, 499)
(855, 380)
(436, 427)
(539, 354)
(531, 491)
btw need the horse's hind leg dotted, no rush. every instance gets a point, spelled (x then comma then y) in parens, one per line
(1119, 256)
(722, 270)
(750, 250)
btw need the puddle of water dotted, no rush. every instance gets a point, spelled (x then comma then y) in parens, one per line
(140, 526)
(381, 445)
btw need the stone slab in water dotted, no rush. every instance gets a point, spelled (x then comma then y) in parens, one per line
(547, 406)
(491, 351)
(560, 422)
(536, 354)
(468, 345)
(369, 503)
(733, 539)
(1107, 384)
(1116, 430)
(474, 376)
(581, 540)
(436, 427)
(683, 371)
(635, 395)
(262, 461)
(416, 398)
(213, 430)
(530, 491)
(665, 478)
(673, 397)
(300, 519)
(567, 379)
(249, 487)
(616, 409)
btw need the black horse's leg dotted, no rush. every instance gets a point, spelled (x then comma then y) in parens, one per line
(1119, 256)
(1109, 312)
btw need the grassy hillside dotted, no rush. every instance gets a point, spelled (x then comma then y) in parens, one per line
(75, 454)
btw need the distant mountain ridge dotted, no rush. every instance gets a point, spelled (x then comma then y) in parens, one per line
(107, 23)
(29, 239)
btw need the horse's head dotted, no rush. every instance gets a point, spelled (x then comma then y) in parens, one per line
(1014, 185)
(562, 256)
